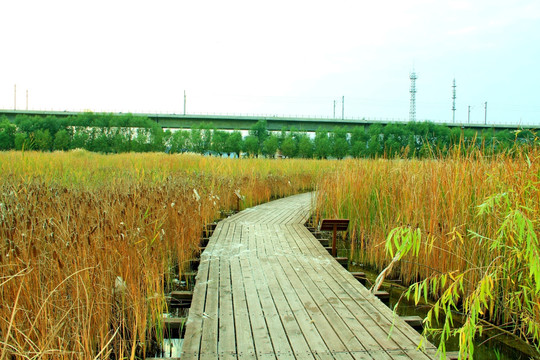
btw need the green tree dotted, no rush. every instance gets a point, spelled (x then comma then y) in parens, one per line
(27, 124)
(43, 140)
(179, 141)
(167, 136)
(206, 137)
(251, 145)
(503, 140)
(374, 146)
(260, 131)
(23, 141)
(7, 134)
(339, 143)
(305, 146)
(234, 143)
(376, 141)
(120, 141)
(196, 141)
(395, 138)
(282, 135)
(61, 140)
(289, 147)
(141, 141)
(219, 141)
(359, 139)
(322, 144)
(101, 143)
(270, 146)
(156, 138)
(80, 139)
(52, 124)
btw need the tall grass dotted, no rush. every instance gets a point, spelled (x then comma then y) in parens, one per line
(88, 242)
(476, 215)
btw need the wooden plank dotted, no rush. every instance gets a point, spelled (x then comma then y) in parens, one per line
(334, 224)
(261, 338)
(209, 312)
(279, 339)
(194, 324)
(192, 339)
(336, 270)
(276, 333)
(382, 318)
(272, 291)
(351, 305)
(344, 323)
(245, 346)
(293, 333)
(175, 323)
(416, 322)
(298, 312)
(317, 312)
(209, 340)
(227, 337)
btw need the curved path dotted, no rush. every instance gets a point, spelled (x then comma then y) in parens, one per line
(267, 289)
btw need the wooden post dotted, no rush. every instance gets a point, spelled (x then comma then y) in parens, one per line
(334, 249)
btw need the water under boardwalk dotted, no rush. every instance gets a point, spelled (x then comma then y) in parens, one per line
(266, 288)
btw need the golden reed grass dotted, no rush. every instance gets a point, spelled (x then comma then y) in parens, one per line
(443, 198)
(87, 242)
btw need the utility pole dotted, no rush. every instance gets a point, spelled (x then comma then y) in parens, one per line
(26, 99)
(454, 101)
(15, 97)
(184, 102)
(342, 107)
(334, 109)
(485, 113)
(469, 115)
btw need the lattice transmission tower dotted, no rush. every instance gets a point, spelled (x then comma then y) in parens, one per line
(412, 110)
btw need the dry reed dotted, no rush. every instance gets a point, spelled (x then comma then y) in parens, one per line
(444, 198)
(88, 242)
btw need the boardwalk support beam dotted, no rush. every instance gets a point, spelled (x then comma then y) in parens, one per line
(415, 322)
(360, 276)
(384, 296)
(181, 299)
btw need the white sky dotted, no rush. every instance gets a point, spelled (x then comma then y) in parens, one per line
(274, 57)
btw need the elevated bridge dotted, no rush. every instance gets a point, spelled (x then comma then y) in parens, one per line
(242, 122)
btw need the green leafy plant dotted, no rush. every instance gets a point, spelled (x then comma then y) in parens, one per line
(502, 293)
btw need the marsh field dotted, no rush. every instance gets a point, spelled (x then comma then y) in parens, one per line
(89, 242)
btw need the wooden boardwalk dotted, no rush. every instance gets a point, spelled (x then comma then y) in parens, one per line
(267, 289)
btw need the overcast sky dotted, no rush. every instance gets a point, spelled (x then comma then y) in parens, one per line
(274, 57)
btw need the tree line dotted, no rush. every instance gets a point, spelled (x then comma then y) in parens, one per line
(109, 133)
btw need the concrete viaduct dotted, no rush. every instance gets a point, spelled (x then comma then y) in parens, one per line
(240, 122)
